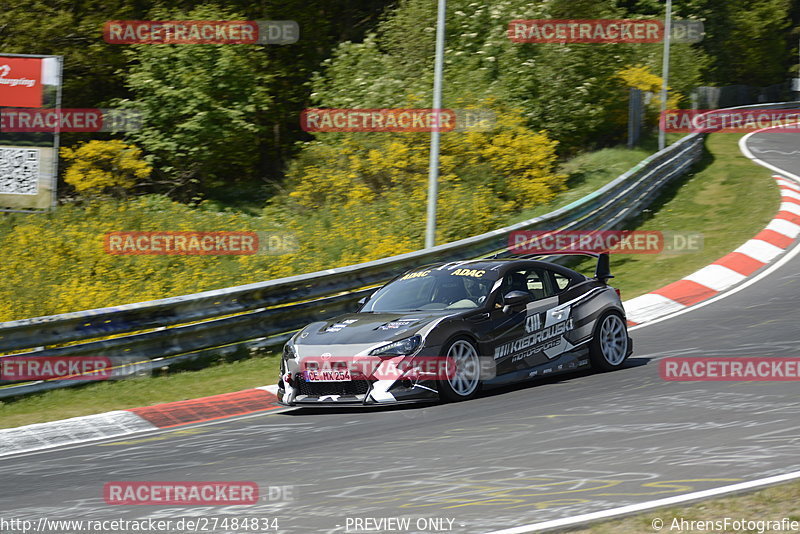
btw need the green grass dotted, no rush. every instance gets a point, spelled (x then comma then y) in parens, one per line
(590, 171)
(587, 172)
(728, 199)
(772, 503)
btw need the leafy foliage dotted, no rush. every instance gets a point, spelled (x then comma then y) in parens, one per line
(96, 73)
(567, 90)
(225, 118)
(377, 183)
(57, 262)
(200, 105)
(570, 90)
(748, 44)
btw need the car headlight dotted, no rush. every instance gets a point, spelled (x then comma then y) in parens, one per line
(289, 352)
(404, 347)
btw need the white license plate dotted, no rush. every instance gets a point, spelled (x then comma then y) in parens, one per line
(328, 375)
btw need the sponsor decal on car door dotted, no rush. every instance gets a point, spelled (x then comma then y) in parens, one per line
(540, 337)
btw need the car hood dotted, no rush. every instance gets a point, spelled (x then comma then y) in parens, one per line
(367, 328)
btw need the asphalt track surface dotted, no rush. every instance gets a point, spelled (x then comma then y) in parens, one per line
(582, 443)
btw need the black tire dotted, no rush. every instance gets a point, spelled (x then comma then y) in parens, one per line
(465, 382)
(609, 347)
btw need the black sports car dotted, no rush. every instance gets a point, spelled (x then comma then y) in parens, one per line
(442, 331)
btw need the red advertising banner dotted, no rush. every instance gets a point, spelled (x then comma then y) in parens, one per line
(20, 82)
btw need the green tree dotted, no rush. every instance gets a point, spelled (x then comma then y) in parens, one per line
(570, 90)
(201, 105)
(95, 72)
(746, 41)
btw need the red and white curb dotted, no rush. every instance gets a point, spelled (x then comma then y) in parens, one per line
(120, 423)
(728, 271)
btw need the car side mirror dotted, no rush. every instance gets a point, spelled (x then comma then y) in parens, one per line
(514, 300)
(360, 304)
(363, 300)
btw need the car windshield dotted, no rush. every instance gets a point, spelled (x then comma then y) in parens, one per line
(434, 289)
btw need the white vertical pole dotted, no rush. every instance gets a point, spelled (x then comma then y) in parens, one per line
(57, 133)
(665, 73)
(433, 171)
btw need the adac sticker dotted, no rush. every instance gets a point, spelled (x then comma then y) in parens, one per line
(475, 273)
(418, 274)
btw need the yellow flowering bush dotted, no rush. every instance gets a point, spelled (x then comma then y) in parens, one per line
(56, 263)
(367, 192)
(99, 166)
(641, 77)
(359, 199)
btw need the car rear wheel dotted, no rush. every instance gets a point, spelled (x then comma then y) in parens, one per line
(609, 347)
(463, 371)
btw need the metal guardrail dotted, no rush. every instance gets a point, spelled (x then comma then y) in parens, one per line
(163, 332)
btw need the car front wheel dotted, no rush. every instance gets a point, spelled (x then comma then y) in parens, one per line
(463, 371)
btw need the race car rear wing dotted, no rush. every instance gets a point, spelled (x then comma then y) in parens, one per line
(602, 271)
